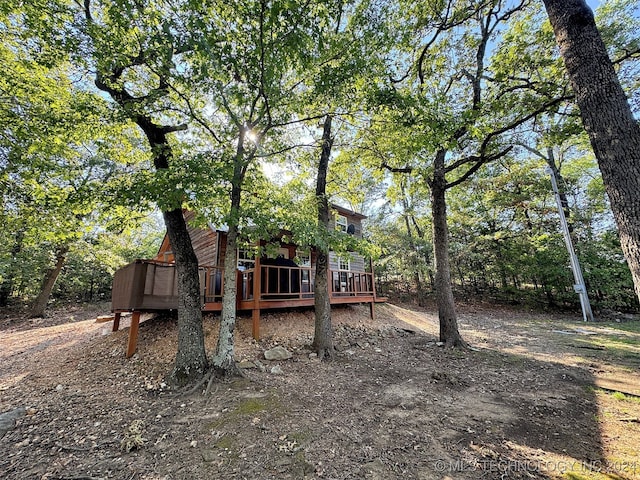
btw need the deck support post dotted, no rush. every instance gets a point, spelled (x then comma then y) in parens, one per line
(372, 310)
(373, 280)
(133, 334)
(116, 322)
(255, 327)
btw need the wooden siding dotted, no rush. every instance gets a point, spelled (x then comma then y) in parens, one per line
(356, 262)
(356, 220)
(204, 241)
(210, 245)
(164, 253)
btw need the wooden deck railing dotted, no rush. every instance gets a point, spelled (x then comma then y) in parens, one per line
(152, 285)
(213, 287)
(349, 283)
(278, 283)
(290, 283)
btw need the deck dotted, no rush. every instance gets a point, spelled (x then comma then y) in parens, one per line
(149, 286)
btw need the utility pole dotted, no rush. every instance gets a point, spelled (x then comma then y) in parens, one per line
(579, 286)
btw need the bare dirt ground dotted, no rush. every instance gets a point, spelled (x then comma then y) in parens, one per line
(539, 396)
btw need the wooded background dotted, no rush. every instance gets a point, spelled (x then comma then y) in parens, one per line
(469, 100)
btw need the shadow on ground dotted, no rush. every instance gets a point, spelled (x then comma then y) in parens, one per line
(393, 405)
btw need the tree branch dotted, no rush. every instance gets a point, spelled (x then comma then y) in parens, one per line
(627, 55)
(536, 152)
(386, 166)
(543, 108)
(481, 161)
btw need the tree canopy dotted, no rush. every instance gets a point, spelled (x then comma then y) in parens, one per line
(443, 116)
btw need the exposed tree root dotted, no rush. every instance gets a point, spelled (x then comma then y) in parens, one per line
(199, 384)
(325, 354)
(209, 378)
(461, 344)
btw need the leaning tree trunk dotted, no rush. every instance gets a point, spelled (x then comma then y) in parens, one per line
(40, 303)
(191, 358)
(323, 335)
(223, 360)
(607, 118)
(449, 333)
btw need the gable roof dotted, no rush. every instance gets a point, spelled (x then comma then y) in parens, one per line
(346, 212)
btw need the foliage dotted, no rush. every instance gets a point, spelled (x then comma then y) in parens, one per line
(62, 156)
(249, 82)
(91, 263)
(506, 242)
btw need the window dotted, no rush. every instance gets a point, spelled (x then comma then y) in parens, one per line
(246, 259)
(341, 223)
(344, 264)
(303, 258)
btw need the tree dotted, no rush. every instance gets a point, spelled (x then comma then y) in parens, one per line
(61, 153)
(252, 81)
(450, 113)
(607, 117)
(92, 261)
(323, 334)
(134, 48)
(332, 87)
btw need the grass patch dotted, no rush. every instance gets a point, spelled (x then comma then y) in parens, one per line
(226, 442)
(251, 406)
(600, 470)
(630, 327)
(625, 398)
(616, 395)
(624, 351)
(247, 407)
(301, 436)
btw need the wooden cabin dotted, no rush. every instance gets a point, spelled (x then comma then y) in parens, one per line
(283, 279)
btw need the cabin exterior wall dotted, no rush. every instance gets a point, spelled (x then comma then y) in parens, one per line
(352, 218)
(152, 284)
(355, 262)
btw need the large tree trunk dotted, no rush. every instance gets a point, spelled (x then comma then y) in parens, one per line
(323, 335)
(40, 303)
(607, 118)
(449, 333)
(191, 358)
(223, 360)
